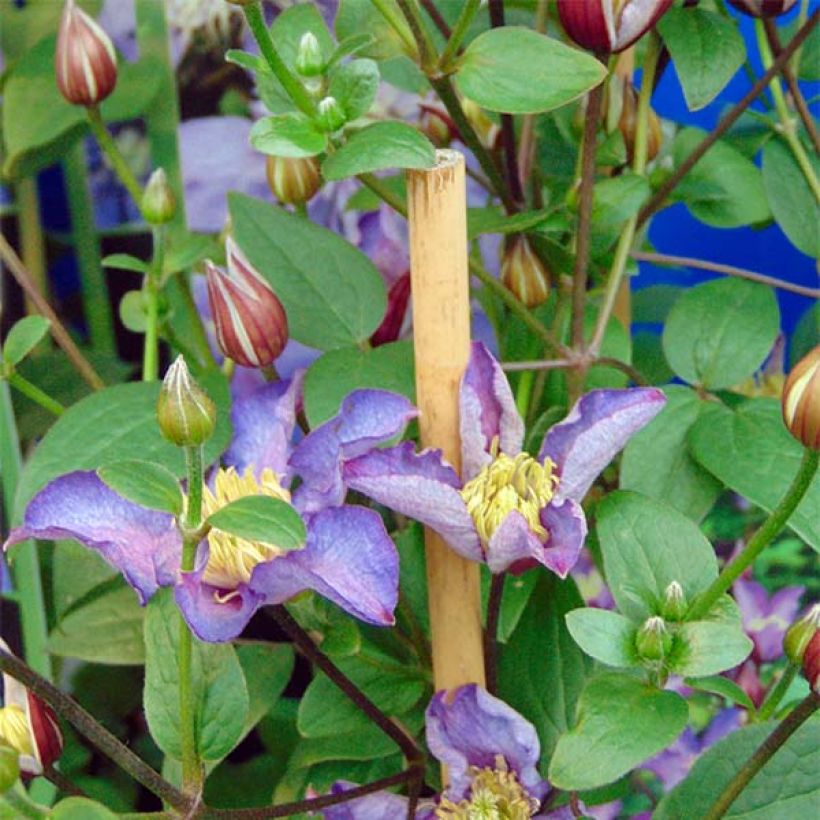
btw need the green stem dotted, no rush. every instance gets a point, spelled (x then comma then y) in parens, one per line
(384, 193)
(468, 12)
(115, 157)
(787, 125)
(761, 539)
(22, 384)
(295, 89)
(21, 804)
(778, 691)
(96, 301)
(424, 42)
(396, 23)
(764, 753)
(150, 357)
(31, 241)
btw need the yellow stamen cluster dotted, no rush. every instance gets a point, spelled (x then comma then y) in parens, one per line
(232, 559)
(507, 484)
(495, 794)
(14, 730)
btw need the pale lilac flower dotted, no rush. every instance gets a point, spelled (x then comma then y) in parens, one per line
(766, 617)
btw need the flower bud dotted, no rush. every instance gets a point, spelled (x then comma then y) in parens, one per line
(397, 298)
(9, 767)
(85, 62)
(811, 663)
(437, 126)
(158, 201)
(186, 414)
(800, 633)
(331, 116)
(293, 181)
(801, 400)
(309, 60)
(251, 324)
(488, 132)
(653, 640)
(674, 603)
(523, 272)
(621, 112)
(763, 8)
(609, 26)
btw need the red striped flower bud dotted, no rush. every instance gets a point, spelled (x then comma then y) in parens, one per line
(811, 663)
(801, 400)
(293, 181)
(397, 299)
(523, 272)
(763, 8)
(609, 26)
(251, 324)
(29, 726)
(85, 62)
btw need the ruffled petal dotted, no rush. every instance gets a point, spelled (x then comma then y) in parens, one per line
(377, 806)
(366, 418)
(263, 424)
(420, 486)
(598, 427)
(348, 559)
(142, 544)
(487, 410)
(567, 527)
(513, 542)
(469, 727)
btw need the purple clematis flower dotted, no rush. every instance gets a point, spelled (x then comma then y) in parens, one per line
(766, 618)
(348, 556)
(510, 510)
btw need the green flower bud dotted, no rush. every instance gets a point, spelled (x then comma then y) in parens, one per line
(9, 768)
(158, 201)
(185, 413)
(800, 633)
(674, 603)
(653, 640)
(331, 116)
(309, 59)
(293, 181)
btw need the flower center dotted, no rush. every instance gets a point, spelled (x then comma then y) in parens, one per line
(14, 730)
(495, 794)
(232, 559)
(507, 484)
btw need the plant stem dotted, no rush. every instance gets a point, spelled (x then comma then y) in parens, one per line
(769, 706)
(294, 88)
(435, 15)
(491, 631)
(423, 41)
(396, 23)
(761, 539)
(115, 157)
(87, 726)
(35, 394)
(150, 353)
(787, 128)
(465, 18)
(764, 753)
(30, 232)
(384, 193)
(60, 334)
(657, 200)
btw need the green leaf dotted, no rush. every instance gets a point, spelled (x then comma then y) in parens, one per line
(218, 691)
(149, 485)
(124, 261)
(606, 636)
(751, 451)
(354, 86)
(541, 670)
(515, 70)
(725, 687)
(657, 461)
(81, 808)
(706, 648)
(334, 296)
(24, 336)
(133, 311)
(355, 17)
(118, 423)
(261, 518)
(108, 630)
(494, 220)
(76, 573)
(287, 135)
(646, 545)
(412, 578)
(788, 785)
(291, 24)
(615, 200)
(335, 374)
(707, 50)
(724, 189)
(379, 146)
(350, 45)
(790, 198)
(621, 722)
(720, 332)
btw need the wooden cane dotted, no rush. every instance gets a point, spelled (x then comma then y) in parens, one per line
(437, 214)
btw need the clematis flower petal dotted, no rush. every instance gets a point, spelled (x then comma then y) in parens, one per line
(263, 425)
(567, 527)
(366, 418)
(348, 559)
(469, 727)
(377, 806)
(513, 543)
(765, 618)
(487, 410)
(142, 544)
(420, 486)
(598, 427)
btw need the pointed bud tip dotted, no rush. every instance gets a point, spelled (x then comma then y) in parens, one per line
(523, 273)
(674, 602)
(799, 635)
(331, 116)
(653, 640)
(309, 60)
(158, 201)
(186, 414)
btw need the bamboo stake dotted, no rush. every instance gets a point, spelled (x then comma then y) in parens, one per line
(437, 212)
